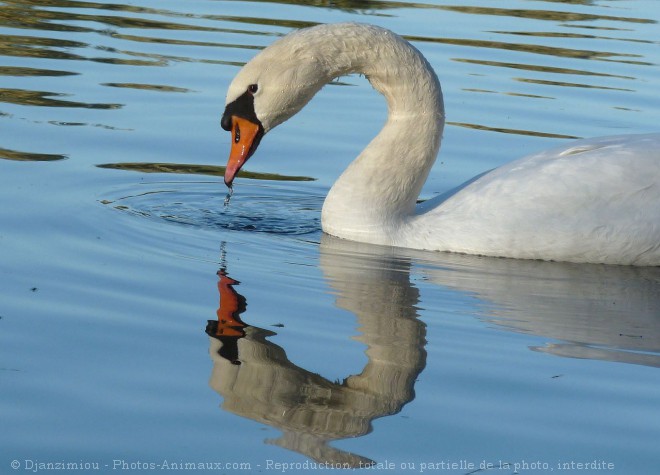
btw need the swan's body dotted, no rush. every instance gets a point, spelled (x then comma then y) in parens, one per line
(594, 201)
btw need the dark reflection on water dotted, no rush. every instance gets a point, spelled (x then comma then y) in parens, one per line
(146, 87)
(571, 84)
(548, 15)
(38, 47)
(540, 68)
(32, 15)
(548, 34)
(535, 49)
(352, 6)
(47, 99)
(533, 133)
(193, 169)
(29, 157)
(21, 71)
(45, 48)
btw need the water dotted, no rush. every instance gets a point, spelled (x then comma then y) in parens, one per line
(130, 292)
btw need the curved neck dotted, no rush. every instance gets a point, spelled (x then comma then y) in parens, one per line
(380, 187)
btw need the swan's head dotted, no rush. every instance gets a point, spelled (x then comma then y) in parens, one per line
(269, 89)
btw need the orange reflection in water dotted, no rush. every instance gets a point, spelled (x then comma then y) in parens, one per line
(229, 327)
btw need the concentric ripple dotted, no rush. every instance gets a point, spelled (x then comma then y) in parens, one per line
(269, 208)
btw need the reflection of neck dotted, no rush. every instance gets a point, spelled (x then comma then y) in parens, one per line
(379, 293)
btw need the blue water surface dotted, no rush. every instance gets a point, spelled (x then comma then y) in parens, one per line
(145, 326)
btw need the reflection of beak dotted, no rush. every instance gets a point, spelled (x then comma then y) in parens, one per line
(232, 304)
(245, 137)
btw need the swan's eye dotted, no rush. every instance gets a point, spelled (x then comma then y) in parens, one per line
(252, 88)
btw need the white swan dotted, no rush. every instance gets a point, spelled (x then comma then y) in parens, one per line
(594, 201)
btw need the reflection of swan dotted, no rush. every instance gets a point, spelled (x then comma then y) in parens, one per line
(594, 201)
(597, 312)
(256, 379)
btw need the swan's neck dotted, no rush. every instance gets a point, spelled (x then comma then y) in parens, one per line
(378, 191)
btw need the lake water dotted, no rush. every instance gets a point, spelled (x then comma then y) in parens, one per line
(118, 258)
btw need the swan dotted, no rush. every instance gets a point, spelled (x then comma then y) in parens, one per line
(595, 201)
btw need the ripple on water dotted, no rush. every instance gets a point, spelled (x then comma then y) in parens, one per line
(274, 209)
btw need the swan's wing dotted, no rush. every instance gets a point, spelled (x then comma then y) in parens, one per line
(597, 199)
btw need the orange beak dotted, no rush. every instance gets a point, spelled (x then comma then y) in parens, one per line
(245, 137)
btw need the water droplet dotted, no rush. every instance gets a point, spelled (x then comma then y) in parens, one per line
(228, 197)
